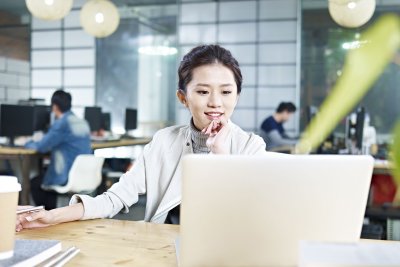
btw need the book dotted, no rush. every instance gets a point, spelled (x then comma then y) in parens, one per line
(360, 254)
(31, 252)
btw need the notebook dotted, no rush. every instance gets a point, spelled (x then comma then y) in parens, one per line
(254, 210)
(31, 252)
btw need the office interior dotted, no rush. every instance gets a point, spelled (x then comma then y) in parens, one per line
(288, 50)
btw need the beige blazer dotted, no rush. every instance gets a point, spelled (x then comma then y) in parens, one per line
(157, 173)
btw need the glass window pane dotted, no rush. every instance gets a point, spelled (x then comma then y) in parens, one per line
(46, 39)
(38, 24)
(50, 58)
(78, 38)
(277, 53)
(236, 11)
(269, 31)
(247, 98)
(229, 32)
(51, 78)
(244, 118)
(278, 9)
(202, 12)
(82, 96)
(79, 57)
(271, 97)
(194, 34)
(79, 77)
(248, 75)
(244, 54)
(72, 19)
(43, 93)
(277, 75)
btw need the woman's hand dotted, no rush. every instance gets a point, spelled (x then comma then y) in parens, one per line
(218, 141)
(36, 219)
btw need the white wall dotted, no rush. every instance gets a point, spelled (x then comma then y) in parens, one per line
(14, 80)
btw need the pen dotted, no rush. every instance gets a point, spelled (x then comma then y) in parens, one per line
(31, 209)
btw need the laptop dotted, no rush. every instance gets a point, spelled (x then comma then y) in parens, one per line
(254, 210)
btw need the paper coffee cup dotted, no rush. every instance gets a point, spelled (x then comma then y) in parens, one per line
(9, 189)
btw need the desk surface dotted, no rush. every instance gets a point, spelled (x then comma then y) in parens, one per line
(122, 142)
(16, 151)
(107, 242)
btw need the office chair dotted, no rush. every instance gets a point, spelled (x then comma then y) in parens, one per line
(83, 178)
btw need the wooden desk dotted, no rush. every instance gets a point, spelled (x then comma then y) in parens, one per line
(107, 242)
(122, 142)
(23, 156)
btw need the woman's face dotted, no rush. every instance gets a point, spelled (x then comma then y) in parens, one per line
(210, 95)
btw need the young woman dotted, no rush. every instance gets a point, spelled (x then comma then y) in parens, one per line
(210, 83)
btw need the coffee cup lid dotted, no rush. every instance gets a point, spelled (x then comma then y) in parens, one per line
(9, 184)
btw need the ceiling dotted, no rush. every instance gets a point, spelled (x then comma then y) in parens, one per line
(18, 7)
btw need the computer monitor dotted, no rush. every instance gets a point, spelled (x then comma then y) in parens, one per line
(106, 121)
(93, 117)
(16, 120)
(41, 117)
(130, 119)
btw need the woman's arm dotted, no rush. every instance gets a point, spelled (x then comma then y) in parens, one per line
(45, 218)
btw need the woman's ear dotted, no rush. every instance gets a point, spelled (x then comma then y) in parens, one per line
(181, 96)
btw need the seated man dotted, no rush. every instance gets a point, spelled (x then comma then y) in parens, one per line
(67, 138)
(272, 130)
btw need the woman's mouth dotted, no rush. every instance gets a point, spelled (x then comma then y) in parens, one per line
(213, 115)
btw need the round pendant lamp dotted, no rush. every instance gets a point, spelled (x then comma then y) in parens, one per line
(351, 13)
(99, 18)
(49, 9)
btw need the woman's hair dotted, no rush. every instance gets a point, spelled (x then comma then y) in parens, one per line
(205, 55)
(62, 100)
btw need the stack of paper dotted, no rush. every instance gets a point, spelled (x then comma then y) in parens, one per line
(366, 253)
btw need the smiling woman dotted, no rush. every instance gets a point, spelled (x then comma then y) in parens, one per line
(209, 86)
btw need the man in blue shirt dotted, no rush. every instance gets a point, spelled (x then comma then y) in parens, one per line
(272, 128)
(67, 138)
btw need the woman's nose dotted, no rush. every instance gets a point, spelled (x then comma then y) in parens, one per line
(214, 100)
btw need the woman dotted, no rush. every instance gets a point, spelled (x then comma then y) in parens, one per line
(209, 86)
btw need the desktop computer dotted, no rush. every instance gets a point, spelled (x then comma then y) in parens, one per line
(41, 117)
(130, 121)
(106, 121)
(16, 120)
(93, 116)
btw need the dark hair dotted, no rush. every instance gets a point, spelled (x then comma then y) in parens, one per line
(62, 100)
(204, 55)
(286, 106)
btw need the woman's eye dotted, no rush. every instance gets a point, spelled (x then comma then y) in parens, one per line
(227, 92)
(202, 92)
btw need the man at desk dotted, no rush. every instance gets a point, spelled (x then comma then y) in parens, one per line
(272, 127)
(67, 138)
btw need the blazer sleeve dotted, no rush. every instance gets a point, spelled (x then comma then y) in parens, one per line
(121, 195)
(255, 145)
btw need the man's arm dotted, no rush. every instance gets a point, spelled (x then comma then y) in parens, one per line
(54, 136)
(276, 139)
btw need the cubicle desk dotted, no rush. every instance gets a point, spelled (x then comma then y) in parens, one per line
(382, 167)
(107, 242)
(23, 156)
(121, 142)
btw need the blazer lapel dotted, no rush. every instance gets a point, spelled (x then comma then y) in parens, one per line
(173, 194)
